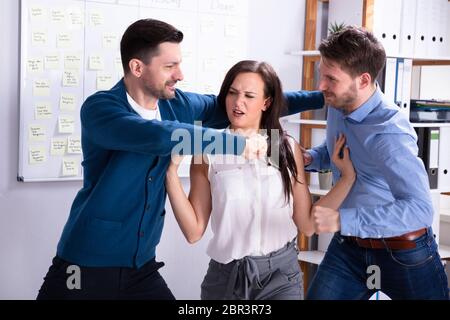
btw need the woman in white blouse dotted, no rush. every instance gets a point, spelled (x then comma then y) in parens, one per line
(256, 206)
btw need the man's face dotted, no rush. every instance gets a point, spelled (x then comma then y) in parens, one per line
(163, 72)
(338, 87)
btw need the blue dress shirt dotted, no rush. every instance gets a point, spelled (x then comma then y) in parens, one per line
(391, 193)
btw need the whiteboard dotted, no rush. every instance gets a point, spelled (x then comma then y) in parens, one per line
(70, 49)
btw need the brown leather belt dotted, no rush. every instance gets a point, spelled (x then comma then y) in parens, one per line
(405, 241)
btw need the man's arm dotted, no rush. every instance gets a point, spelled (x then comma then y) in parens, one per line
(106, 123)
(411, 209)
(299, 101)
(320, 158)
(207, 109)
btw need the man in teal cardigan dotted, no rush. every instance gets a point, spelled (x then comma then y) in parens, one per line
(107, 248)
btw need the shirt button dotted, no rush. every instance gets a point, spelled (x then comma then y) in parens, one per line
(147, 207)
(150, 179)
(141, 234)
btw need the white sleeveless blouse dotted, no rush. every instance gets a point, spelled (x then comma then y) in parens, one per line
(250, 215)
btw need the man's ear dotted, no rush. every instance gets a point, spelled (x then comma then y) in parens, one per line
(135, 67)
(364, 80)
(267, 103)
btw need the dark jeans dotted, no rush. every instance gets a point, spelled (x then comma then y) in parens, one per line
(404, 274)
(99, 283)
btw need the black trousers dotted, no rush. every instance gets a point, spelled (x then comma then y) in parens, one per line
(66, 281)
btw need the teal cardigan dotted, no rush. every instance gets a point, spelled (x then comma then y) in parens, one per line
(117, 217)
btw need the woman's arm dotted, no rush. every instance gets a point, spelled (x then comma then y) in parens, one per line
(192, 213)
(339, 192)
(302, 198)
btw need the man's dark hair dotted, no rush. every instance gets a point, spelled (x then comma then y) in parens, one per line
(142, 38)
(356, 50)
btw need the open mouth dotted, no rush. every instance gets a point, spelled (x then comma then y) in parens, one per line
(238, 113)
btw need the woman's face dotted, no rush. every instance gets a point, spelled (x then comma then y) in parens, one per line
(245, 101)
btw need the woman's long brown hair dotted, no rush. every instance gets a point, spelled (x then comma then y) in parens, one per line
(270, 120)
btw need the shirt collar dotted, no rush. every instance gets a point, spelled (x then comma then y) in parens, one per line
(366, 108)
(144, 113)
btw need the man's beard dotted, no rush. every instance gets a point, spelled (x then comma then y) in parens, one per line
(346, 101)
(162, 93)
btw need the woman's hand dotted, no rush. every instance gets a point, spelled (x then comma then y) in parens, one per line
(344, 164)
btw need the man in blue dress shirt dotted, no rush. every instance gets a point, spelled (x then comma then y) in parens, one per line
(383, 237)
(107, 248)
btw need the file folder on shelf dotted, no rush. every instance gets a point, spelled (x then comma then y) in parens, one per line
(406, 86)
(423, 25)
(408, 28)
(387, 24)
(428, 143)
(395, 82)
(444, 159)
(388, 77)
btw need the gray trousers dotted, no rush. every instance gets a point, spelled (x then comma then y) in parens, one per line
(275, 276)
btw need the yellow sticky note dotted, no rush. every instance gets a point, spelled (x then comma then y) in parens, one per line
(96, 63)
(67, 102)
(231, 29)
(70, 78)
(207, 25)
(37, 155)
(66, 124)
(76, 17)
(72, 61)
(74, 145)
(58, 147)
(39, 38)
(96, 19)
(231, 54)
(104, 82)
(119, 67)
(35, 65)
(69, 167)
(41, 88)
(37, 133)
(51, 61)
(57, 15)
(64, 40)
(38, 13)
(43, 110)
(109, 41)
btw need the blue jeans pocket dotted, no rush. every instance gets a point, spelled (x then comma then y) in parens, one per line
(415, 257)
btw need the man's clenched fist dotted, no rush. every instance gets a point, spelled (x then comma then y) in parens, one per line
(326, 219)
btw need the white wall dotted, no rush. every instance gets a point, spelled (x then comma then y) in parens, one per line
(32, 215)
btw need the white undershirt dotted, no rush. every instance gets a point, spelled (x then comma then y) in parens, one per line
(249, 214)
(147, 114)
